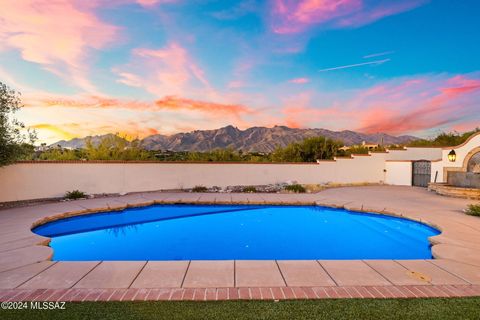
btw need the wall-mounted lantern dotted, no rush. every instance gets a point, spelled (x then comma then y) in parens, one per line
(452, 156)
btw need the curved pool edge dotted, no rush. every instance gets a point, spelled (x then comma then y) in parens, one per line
(362, 209)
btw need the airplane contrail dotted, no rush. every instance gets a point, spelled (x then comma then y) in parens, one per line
(376, 62)
(378, 54)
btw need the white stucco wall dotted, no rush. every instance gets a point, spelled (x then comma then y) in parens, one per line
(437, 169)
(398, 172)
(24, 181)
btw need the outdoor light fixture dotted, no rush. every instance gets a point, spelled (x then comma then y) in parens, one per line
(452, 156)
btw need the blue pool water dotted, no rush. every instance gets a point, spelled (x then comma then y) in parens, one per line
(224, 232)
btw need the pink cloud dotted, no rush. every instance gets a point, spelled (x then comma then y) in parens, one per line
(299, 80)
(152, 3)
(299, 112)
(58, 35)
(412, 105)
(217, 109)
(466, 126)
(378, 12)
(445, 103)
(293, 16)
(147, 3)
(166, 71)
(168, 103)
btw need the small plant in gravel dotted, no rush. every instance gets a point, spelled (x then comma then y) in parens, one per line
(473, 210)
(249, 189)
(75, 194)
(199, 189)
(297, 188)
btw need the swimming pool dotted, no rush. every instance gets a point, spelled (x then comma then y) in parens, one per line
(236, 232)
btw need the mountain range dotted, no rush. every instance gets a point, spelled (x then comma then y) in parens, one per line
(254, 139)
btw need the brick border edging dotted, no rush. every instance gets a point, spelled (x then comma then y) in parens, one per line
(252, 293)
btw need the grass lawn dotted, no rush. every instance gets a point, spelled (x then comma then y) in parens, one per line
(355, 309)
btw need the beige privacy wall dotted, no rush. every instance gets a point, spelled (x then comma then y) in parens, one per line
(30, 180)
(45, 180)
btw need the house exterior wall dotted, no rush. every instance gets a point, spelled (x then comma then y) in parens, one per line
(463, 153)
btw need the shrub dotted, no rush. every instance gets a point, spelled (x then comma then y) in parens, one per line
(199, 189)
(298, 188)
(249, 189)
(75, 194)
(473, 210)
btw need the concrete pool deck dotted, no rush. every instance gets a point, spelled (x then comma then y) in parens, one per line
(26, 272)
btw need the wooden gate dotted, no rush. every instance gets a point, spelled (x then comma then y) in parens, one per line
(421, 172)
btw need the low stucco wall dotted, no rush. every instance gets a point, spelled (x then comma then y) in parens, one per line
(25, 181)
(37, 180)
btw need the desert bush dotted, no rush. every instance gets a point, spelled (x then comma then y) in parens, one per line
(199, 189)
(75, 194)
(249, 189)
(297, 188)
(473, 210)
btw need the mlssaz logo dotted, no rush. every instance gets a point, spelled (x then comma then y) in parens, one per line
(47, 305)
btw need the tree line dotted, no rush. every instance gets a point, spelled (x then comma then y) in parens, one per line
(114, 147)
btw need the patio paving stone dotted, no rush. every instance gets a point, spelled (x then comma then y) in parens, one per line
(353, 273)
(467, 272)
(395, 273)
(257, 273)
(13, 278)
(60, 276)
(112, 274)
(161, 274)
(210, 274)
(437, 275)
(453, 252)
(20, 257)
(298, 273)
(28, 241)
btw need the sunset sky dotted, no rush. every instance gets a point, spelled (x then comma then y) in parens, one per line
(139, 67)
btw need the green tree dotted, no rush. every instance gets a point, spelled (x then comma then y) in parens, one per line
(114, 147)
(14, 144)
(309, 150)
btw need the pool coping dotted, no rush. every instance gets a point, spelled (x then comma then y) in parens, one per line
(454, 272)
